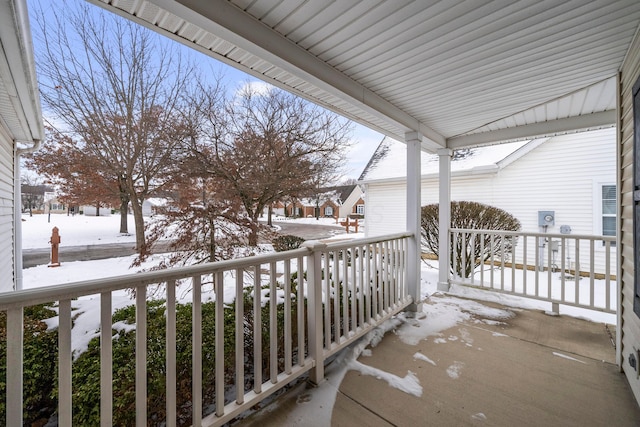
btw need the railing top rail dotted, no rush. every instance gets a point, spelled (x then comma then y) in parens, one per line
(45, 294)
(521, 233)
(367, 241)
(58, 292)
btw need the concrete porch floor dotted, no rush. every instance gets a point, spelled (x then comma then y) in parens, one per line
(529, 370)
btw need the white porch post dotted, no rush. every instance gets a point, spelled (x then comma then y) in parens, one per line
(414, 172)
(444, 179)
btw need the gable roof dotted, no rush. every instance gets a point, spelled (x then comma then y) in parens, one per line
(460, 73)
(389, 161)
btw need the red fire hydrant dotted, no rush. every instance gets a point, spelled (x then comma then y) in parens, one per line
(55, 241)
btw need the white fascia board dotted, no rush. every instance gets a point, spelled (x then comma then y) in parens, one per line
(237, 27)
(520, 152)
(17, 68)
(550, 128)
(466, 173)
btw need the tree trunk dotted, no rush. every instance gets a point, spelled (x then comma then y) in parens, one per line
(270, 213)
(253, 232)
(97, 209)
(138, 219)
(212, 240)
(124, 203)
(124, 226)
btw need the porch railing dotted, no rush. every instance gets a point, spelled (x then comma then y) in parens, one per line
(575, 270)
(286, 313)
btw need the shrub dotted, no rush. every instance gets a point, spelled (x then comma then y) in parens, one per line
(286, 242)
(469, 215)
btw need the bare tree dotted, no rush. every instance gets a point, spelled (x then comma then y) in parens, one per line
(268, 145)
(119, 88)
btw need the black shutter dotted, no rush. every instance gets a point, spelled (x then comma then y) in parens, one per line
(636, 196)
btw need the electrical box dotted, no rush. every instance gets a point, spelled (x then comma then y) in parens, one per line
(565, 229)
(546, 218)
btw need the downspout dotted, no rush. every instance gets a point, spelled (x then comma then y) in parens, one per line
(17, 205)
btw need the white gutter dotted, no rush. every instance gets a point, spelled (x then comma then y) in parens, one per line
(17, 204)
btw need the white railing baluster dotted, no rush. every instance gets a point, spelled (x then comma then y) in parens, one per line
(592, 275)
(327, 302)
(171, 380)
(482, 261)
(64, 363)
(502, 264)
(576, 270)
(196, 345)
(336, 297)
(273, 324)
(549, 267)
(369, 283)
(141, 356)
(257, 329)
(345, 294)
(239, 331)
(525, 266)
(15, 335)
(361, 285)
(563, 271)
(287, 317)
(106, 361)
(607, 275)
(354, 289)
(218, 283)
(301, 314)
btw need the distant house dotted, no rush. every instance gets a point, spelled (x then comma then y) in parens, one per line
(53, 205)
(339, 201)
(571, 177)
(33, 197)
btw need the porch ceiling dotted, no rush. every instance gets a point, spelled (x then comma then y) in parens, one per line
(461, 73)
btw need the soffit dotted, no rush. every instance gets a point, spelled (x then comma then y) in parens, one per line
(448, 69)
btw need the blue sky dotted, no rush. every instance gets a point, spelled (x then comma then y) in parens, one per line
(364, 140)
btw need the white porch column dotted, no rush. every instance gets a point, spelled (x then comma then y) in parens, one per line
(444, 179)
(414, 172)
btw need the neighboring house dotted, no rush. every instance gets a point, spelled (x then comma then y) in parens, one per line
(151, 205)
(33, 197)
(21, 130)
(573, 176)
(339, 201)
(306, 207)
(53, 205)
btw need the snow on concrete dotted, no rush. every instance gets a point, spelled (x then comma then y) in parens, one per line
(420, 356)
(455, 370)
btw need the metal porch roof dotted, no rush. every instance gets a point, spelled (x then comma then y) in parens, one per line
(463, 73)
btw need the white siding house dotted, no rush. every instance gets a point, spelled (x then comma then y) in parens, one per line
(566, 174)
(20, 130)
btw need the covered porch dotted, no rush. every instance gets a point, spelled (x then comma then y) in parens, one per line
(440, 77)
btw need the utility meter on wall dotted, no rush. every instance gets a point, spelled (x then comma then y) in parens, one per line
(546, 218)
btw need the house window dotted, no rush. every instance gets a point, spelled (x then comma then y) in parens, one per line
(608, 210)
(360, 209)
(328, 211)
